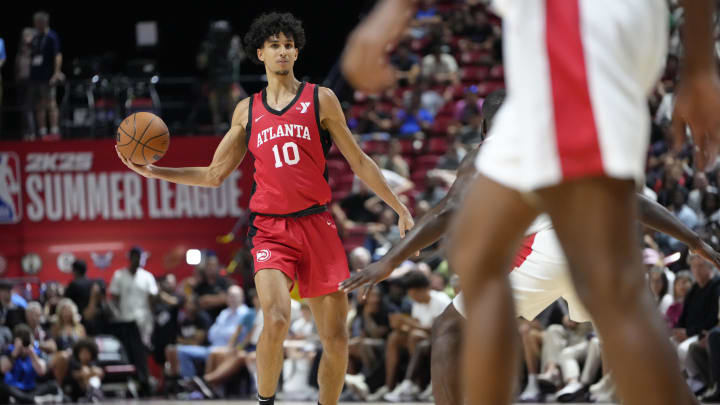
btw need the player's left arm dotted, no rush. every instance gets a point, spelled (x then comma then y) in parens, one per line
(332, 118)
(660, 219)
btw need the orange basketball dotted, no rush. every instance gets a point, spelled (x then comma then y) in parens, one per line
(143, 138)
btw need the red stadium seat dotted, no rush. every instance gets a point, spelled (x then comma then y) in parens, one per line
(497, 72)
(419, 177)
(474, 73)
(474, 57)
(440, 126)
(357, 110)
(407, 147)
(437, 145)
(374, 146)
(354, 237)
(425, 162)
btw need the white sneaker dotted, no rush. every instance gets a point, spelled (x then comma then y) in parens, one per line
(530, 395)
(357, 384)
(427, 394)
(607, 394)
(570, 392)
(377, 395)
(601, 385)
(406, 391)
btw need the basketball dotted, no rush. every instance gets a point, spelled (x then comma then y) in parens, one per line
(143, 138)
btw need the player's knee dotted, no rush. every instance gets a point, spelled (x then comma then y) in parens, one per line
(335, 340)
(276, 324)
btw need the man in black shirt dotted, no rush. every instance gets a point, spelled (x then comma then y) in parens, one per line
(79, 289)
(700, 311)
(10, 314)
(211, 291)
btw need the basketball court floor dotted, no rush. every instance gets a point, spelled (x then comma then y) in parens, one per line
(227, 402)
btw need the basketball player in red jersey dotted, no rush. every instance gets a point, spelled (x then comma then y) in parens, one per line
(572, 139)
(288, 128)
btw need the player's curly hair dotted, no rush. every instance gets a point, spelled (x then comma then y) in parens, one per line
(270, 24)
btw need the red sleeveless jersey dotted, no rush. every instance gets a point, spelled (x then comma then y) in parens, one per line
(289, 147)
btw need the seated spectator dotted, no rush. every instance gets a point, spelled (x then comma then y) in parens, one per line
(212, 288)
(469, 106)
(53, 294)
(231, 326)
(531, 333)
(166, 310)
(10, 314)
(66, 330)
(369, 329)
(411, 333)
(380, 239)
(413, 120)
(98, 313)
(80, 287)
(47, 345)
(406, 64)
(700, 311)
(430, 100)
(394, 161)
(192, 326)
(244, 355)
(23, 364)
(660, 289)
(555, 339)
(440, 67)
(373, 119)
(709, 210)
(683, 283)
(86, 376)
(576, 383)
(699, 187)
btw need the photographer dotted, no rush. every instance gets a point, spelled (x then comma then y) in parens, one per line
(23, 363)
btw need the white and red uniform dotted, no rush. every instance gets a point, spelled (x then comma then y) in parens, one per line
(540, 275)
(578, 73)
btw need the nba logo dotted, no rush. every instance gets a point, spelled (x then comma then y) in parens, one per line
(10, 197)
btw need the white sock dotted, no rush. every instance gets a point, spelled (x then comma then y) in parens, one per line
(55, 130)
(42, 131)
(532, 382)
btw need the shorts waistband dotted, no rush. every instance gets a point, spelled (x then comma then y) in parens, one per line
(315, 209)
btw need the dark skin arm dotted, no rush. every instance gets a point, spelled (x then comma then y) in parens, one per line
(433, 225)
(657, 217)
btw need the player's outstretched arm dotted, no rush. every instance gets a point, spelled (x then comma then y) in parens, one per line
(365, 62)
(333, 119)
(657, 217)
(431, 227)
(228, 155)
(698, 95)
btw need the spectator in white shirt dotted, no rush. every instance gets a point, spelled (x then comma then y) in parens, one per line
(132, 290)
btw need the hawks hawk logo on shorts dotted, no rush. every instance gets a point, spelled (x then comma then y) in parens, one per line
(263, 255)
(10, 196)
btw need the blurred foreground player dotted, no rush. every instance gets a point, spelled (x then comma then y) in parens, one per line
(572, 142)
(288, 128)
(540, 272)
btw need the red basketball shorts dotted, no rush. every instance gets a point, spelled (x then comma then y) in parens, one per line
(307, 249)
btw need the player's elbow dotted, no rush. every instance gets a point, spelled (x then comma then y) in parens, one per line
(214, 178)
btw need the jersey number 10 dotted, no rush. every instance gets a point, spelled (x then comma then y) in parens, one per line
(286, 154)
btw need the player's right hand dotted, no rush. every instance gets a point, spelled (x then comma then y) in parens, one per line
(141, 170)
(697, 105)
(369, 276)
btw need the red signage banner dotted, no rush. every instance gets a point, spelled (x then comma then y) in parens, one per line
(75, 199)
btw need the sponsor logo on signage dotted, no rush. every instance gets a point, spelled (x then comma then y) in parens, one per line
(65, 261)
(31, 263)
(10, 191)
(102, 260)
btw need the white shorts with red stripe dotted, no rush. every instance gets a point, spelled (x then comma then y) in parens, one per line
(540, 276)
(578, 73)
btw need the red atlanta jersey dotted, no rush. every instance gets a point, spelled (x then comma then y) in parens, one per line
(289, 147)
